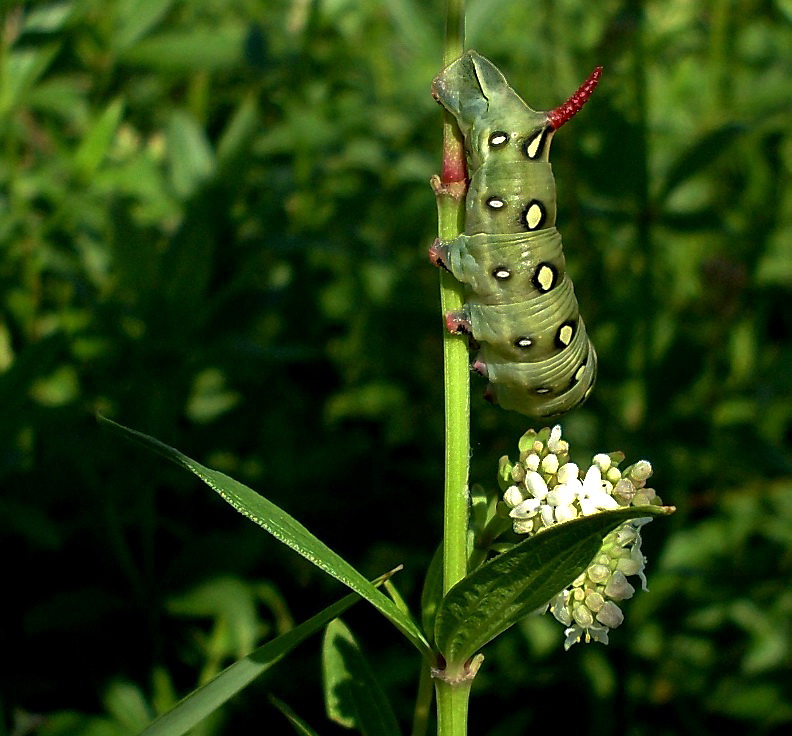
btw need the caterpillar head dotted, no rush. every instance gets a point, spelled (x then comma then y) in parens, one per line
(493, 118)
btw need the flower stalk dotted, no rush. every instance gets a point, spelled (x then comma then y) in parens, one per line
(450, 188)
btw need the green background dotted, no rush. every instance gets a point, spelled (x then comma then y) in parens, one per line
(214, 220)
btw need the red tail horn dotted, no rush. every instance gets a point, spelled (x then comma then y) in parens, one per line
(559, 115)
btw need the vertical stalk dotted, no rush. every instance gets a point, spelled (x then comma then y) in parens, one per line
(452, 704)
(423, 701)
(450, 188)
(450, 191)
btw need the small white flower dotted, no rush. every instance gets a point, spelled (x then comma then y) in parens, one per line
(512, 497)
(523, 526)
(535, 484)
(603, 501)
(641, 470)
(598, 573)
(565, 513)
(559, 608)
(550, 463)
(629, 566)
(561, 495)
(595, 601)
(582, 616)
(626, 534)
(573, 634)
(568, 472)
(644, 497)
(526, 509)
(618, 588)
(555, 439)
(592, 483)
(549, 491)
(610, 615)
(624, 490)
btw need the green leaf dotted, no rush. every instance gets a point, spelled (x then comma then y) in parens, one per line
(135, 18)
(202, 702)
(432, 593)
(128, 706)
(232, 604)
(19, 72)
(499, 593)
(96, 142)
(353, 697)
(700, 155)
(49, 18)
(285, 529)
(204, 50)
(300, 726)
(238, 135)
(192, 159)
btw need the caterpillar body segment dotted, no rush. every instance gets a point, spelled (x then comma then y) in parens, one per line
(520, 304)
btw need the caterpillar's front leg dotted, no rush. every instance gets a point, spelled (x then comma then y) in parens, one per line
(458, 322)
(438, 254)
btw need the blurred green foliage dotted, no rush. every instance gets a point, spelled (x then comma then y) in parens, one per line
(213, 226)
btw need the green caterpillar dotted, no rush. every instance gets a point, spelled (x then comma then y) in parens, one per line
(520, 305)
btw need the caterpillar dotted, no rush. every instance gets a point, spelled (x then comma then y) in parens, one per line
(520, 306)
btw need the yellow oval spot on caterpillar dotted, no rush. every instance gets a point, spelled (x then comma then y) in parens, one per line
(533, 145)
(565, 335)
(533, 217)
(545, 278)
(498, 138)
(579, 373)
(495, 203)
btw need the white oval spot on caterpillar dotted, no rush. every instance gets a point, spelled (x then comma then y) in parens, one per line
(501, 273)
(523, 342)
(534, 216)
(565, 334)
(543, 390)
(498, 139)
(544, 277)
(534, 145)
(495, 203)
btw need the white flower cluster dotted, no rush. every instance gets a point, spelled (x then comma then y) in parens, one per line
(547, 489)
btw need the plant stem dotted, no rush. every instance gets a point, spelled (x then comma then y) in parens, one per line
(423, 701)
(452, 702)
(450, 189)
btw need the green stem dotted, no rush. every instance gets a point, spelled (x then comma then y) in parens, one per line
(450, 189)
(452, 704)
(423, 701)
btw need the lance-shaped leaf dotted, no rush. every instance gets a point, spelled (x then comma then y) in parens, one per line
(200, 703)
(285, 529)
(432, 593)
(299, 725)
(353, 697)
(499, 593)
